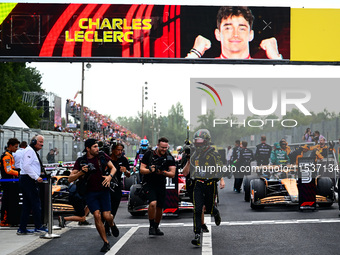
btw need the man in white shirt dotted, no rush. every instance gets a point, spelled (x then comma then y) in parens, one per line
(28, 182)
(19, 153)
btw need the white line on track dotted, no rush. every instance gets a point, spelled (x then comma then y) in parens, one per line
(224, 223)
(207, 241)
(118, 245)
(272, 222)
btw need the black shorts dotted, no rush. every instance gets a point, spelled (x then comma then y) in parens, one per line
(155, 193)
(78, 205)
(116, 197)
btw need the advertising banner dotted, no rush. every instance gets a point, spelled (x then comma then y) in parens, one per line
(57, 111)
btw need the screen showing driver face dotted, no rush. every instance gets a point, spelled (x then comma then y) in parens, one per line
(141, 31)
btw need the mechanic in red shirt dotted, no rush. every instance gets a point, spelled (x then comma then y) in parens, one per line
(234, 31)
(95, 172)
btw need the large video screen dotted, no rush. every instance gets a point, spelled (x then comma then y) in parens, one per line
(144, 31)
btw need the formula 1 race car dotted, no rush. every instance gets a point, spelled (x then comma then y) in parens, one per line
(177, 198)
(60, 194)
(281, 188)
(133, 179)
(60, 188)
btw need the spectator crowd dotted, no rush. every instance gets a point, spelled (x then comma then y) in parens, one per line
(96, 125)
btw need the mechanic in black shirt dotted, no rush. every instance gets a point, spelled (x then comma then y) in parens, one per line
(245, 156)
(234, 154)
(262, 153)
(122, 165)
(233, 162)
(205, 181)
(156, 166)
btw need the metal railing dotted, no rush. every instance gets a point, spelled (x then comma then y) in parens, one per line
(68, 149)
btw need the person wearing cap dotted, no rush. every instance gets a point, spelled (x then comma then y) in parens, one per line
(284, 146)
(121, 163)
(233, 161)
(279, 156)
(95, 171)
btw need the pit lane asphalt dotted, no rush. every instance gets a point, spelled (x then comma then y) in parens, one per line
(273, 230)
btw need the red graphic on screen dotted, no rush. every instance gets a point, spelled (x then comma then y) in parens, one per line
(165, 45)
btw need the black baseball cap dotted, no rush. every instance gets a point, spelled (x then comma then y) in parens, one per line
(89, 142)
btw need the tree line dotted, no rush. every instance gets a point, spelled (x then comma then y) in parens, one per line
(16, 78)
(224, 134)
(173, 126)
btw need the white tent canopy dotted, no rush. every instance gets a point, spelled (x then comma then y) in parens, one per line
(15, 121)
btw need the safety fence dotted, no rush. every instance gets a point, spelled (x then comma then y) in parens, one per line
(68, 149)
(330, 129)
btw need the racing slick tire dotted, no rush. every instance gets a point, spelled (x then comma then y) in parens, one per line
(137, 178)
(128, 182)
(246, 187)
(141, 213)
(134, 201)
(325, 188)
(258, 189)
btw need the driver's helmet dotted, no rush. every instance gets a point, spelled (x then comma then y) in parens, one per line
(144, 144)
(179, 149)
(202, 138)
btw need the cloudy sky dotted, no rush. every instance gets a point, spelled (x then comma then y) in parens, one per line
(116, 89)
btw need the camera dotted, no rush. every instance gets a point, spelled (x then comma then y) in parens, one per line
(331, 145)
(188, 149)
(114, 184)
(91, 168)
(104, 147)
(159, 164)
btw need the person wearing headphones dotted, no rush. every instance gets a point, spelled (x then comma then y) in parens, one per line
(31, 168)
